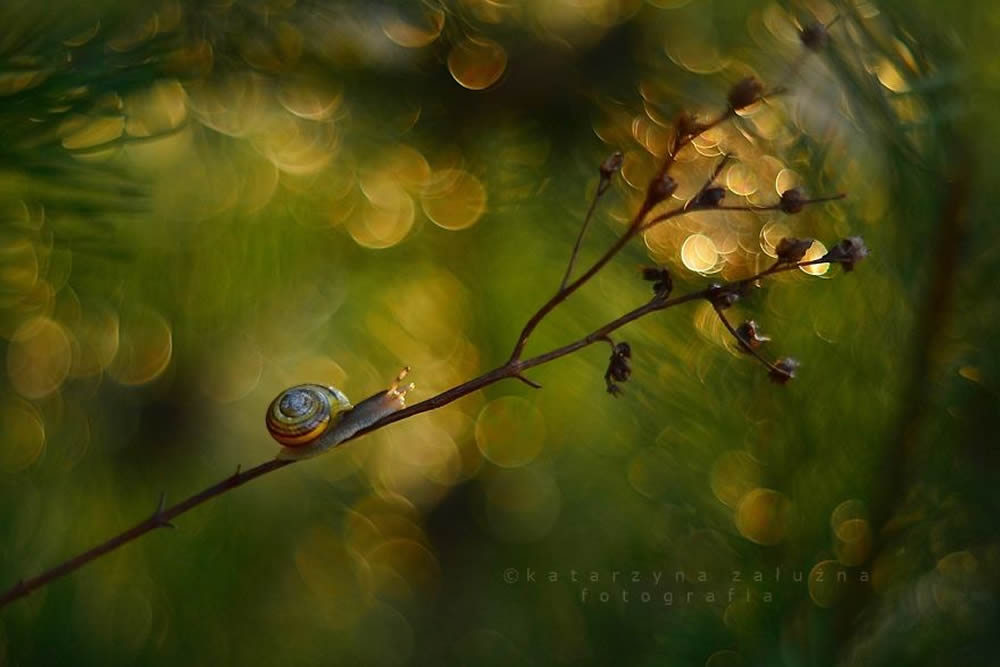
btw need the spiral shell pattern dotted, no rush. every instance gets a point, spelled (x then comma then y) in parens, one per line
(301, 414)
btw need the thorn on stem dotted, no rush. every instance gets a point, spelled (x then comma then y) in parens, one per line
(158, 514)
(528, 382)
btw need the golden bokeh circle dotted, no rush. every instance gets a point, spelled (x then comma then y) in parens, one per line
(734, 474)
(460, 204)
(699, 254)
(741, 179)
(145, 349)
(851, 508)
(771, 235)
(414, 35)
(39, 357)
(23, 434)
(384, 224)
(510, 431)
(763, 516)
(477, 63)
(816, 250)
(853, 541)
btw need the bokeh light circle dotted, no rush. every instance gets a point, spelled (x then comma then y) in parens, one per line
(477, 63)
(510, 431)
(763, 516)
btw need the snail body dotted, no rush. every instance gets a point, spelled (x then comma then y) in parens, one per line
(309, 419)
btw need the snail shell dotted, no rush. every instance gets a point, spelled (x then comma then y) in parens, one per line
(309, 419)
(301, 414)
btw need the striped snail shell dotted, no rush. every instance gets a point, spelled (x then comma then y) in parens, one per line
(309, 419)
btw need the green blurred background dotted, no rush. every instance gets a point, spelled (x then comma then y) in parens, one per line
(202, 203)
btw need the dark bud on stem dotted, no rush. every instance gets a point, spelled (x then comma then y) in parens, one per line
(744, 93)
(709, 197)
(848, 252)
(814, 36)
(722, 297)
(619, 367)
(784, 370)
(611, 165)
(687, 124)
(750, 335)
(792, 201)
(791, 250)
(660, 188)
(662, 282)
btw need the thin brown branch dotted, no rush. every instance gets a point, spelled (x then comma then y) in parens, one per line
(513, 368)
(608, 168)
(159, 519)
(681, 138)
(567, 290)
(681, 210)
(660, 188)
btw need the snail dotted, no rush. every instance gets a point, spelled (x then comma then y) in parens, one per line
(309, 419)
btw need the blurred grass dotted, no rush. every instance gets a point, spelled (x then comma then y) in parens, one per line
(163, 280)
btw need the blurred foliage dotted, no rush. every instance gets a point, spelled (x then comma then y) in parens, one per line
(204, 202)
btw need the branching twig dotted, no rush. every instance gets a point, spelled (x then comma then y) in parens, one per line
(660, 189)
(512, 369)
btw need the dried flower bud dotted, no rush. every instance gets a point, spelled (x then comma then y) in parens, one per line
(721, 297)
(619, 368)
(744, 93)
(814, 36)
(750, 334)
(660, 188)
(687, 124)
(792, 201)
(791, 250)
(662, 282)
(848, 252)
(785, 370)
(709, 197)
(652, 273)
(612, 164)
